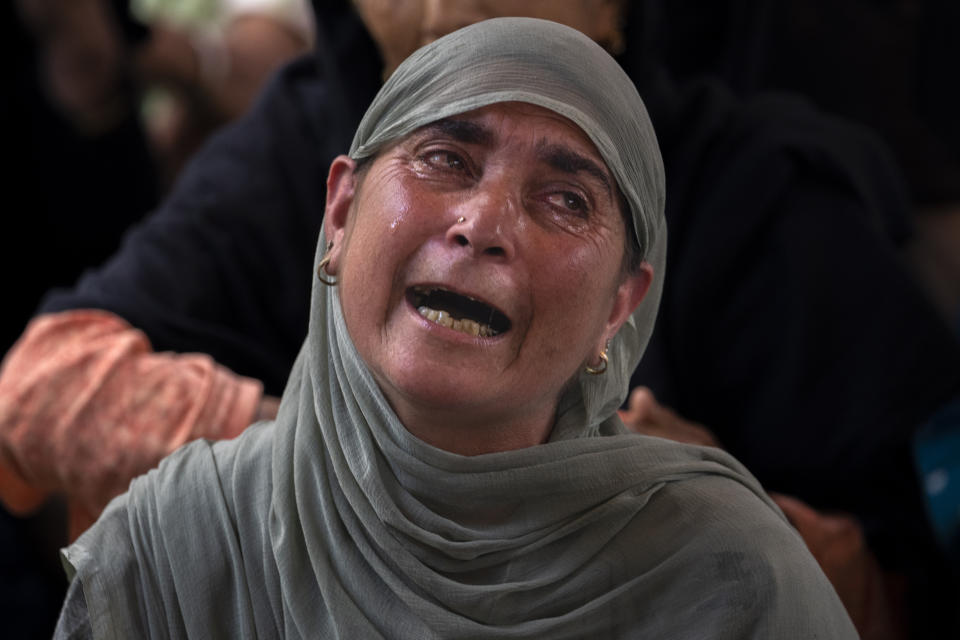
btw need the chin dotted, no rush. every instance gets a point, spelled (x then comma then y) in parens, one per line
(440, 385)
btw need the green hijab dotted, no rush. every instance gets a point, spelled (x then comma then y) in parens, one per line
(335, 522)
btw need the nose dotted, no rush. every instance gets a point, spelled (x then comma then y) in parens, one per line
(487, 224)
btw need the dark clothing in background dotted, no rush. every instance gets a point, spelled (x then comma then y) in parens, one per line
(891, 64)
(68, 197)
(787, 325)
(801, 340)
(224, 265)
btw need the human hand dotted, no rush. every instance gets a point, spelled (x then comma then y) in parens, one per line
(647, 416)
(268, 408)
(16, 494)
(837, 543)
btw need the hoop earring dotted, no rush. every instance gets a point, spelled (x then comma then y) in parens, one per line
(604, 360)
(322, 274)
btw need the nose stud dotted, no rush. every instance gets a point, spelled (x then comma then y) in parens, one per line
(461, 220)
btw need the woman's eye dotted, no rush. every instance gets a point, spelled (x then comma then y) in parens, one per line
(446, 160)
(570, 201)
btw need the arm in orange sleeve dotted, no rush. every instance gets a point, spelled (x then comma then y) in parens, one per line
(86, 405)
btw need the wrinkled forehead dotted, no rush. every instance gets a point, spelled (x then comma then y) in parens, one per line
(534, 62)
(552, 135)
(525, 60)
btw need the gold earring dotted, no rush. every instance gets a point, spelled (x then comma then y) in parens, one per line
(604, 360)
(322, 274)
(461, 220)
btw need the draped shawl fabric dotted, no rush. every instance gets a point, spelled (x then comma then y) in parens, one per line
(335, 522)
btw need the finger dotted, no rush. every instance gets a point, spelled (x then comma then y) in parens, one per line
(799, 513)
(639, 409)
(642, 399)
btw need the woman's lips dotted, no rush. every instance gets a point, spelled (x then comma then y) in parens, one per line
(457, 311)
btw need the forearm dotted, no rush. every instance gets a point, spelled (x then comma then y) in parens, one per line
(85, 406)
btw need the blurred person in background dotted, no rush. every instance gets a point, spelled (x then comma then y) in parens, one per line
(207, 60)
(888, 64)
(83, 166)
(75, 179)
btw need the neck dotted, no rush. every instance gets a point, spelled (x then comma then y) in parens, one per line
(459, 431)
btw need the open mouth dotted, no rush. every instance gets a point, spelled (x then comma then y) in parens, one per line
(458, 312)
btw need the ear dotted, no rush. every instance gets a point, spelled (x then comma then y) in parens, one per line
(629, 295)
(341, 192)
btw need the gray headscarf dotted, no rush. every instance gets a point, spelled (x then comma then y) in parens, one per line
(572, 76)
(335, 522)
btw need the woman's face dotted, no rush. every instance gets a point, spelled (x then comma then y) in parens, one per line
(506, 219)
(400, 26)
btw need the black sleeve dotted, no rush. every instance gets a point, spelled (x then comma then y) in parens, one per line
(224, 265)
(813, 350)
(790, 328)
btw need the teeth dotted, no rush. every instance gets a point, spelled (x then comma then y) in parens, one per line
(465, 325)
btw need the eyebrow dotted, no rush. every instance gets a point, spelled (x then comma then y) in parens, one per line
(556, 156)
(566, 160)
(461, 131)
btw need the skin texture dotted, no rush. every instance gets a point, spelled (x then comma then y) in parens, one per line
(647, 416)
(540, 242)
(401, 26)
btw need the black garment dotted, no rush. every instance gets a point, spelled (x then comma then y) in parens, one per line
(224, 266)
(788, 325)
(891, 64)
(68, 198)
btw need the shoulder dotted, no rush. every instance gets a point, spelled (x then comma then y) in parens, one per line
(74, 621)
(753, 570)
(175, 538)
(205, 474)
